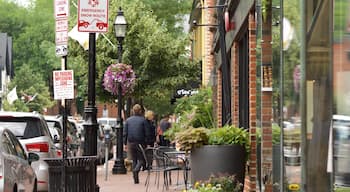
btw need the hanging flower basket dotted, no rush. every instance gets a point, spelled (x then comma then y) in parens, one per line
(119, 73)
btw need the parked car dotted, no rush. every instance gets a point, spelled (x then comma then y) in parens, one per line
(56, 122)
(101, 145)
(112, 122)
(107, 120)
(33, 133)
(15, 171)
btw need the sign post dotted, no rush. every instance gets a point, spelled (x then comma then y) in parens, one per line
(62, 86)
(61, 17)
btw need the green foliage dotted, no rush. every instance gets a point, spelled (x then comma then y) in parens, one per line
(276, 134)
(340, 13)
(154, 46)
(35, 46)
(170, 13)
(160, 58)
(218, 184)
(196, 110)
(192, 138)
(342, 189)
(29, 83)
(193, 111)
(229, 135)
(170, 134)
(13, 18)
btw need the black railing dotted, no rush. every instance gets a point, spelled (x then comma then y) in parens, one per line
(80, 174)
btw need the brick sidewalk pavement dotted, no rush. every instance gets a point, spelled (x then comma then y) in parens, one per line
(125, 183)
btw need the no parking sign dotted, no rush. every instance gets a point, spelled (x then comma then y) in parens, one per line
(63, 83)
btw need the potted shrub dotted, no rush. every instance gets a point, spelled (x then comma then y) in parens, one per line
(215, 151)
(194, 111)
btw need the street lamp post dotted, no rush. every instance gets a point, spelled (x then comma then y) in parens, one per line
(120, 30)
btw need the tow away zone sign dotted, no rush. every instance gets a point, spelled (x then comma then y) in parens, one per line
(63, 83)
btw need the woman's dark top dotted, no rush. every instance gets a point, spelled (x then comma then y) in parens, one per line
(150, 132)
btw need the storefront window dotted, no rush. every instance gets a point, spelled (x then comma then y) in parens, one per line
(341, 86)
(291, 95)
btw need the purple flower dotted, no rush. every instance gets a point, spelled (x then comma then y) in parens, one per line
(119, 73)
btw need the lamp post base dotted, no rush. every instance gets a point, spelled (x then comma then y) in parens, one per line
(119, 167)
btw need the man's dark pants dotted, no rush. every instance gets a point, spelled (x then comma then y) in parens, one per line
(137, 160)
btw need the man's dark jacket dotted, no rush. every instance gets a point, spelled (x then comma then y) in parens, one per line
(135, 130)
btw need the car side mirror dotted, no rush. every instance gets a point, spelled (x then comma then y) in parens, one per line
(32, 157)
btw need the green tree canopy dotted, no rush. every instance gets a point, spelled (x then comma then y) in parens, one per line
(160, 59)
(29, 83)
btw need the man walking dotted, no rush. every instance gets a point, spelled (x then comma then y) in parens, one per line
(135, 134)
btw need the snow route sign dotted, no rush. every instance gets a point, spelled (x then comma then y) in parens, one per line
(63, 83)
(93, 16)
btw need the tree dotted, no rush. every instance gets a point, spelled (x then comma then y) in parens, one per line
(160, 59)
(153, 46)
(13, 18)
(29, 83)
(170, 13)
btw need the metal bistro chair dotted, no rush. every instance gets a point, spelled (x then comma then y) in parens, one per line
(147, 164)
(158, 168)
(168, 163)
(163, 164)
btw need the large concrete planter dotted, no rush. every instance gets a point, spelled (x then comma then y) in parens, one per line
(217, 160)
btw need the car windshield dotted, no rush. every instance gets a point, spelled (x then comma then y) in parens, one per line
(53, 124)
(22, 127)
(112, 122)
(102, 122)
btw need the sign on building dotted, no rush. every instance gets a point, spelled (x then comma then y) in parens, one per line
(93, 16)
(63, 83)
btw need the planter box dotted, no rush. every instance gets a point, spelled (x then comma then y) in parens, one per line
(218, 160)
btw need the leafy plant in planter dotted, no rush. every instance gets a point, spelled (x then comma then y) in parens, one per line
(194, 111)
(191, 138)
(229, 135)
(224, 149)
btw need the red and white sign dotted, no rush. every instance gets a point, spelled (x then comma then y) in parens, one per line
(61, 8)
(61, 31)
(61, 25)
(63, 83)
(93, 16)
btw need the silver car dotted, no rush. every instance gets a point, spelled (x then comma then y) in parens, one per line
(56, 122)
(33, 133)
(16, 174)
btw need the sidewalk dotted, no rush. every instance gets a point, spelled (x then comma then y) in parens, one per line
(125, 183)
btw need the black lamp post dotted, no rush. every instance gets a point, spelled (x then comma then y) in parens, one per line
(120, 30)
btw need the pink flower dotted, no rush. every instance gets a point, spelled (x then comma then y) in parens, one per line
(119, 73)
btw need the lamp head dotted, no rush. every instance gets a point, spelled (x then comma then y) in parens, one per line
(120, 24)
